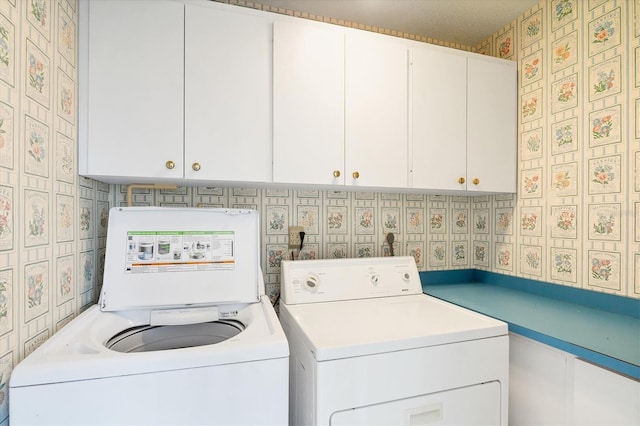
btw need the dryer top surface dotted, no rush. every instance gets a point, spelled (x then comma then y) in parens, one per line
(343, 329)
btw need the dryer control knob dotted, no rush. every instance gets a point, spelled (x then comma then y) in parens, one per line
(406, 276)
(374, 279)
(311, 283)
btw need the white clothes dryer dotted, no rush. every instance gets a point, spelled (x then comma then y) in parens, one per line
(369, 348)
(183, 332)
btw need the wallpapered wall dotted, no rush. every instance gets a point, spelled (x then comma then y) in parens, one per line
(573, 222)
(579, 152)
(50, 234)
(346, 224)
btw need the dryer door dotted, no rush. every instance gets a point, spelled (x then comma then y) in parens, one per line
(471, 405)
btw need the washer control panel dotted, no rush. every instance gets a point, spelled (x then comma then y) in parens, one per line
(311, 281)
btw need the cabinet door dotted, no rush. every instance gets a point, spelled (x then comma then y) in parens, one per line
(376, 128)
(539, 379)
(308, 103)
(227, 94)
(134, 90)
(602, 397)
(491, 125)
(438, 119)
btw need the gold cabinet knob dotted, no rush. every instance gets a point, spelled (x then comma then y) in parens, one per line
(476, 181)
(461, 180)
(336, 173)
(195, 167)
(355, 175)
(170, 164)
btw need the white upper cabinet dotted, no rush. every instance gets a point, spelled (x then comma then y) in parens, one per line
(180, 91)
(463, 122)
(376, 105)
(227, 94)
(200, 92)
(340, 107)
(491, 124)
(438, 119)
(131, 68)
(308, 103)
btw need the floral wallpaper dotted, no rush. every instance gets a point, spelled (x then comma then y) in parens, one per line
(337, 224)
(578, 157)
(49, 251)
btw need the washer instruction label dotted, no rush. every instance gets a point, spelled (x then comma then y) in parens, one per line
(169, 251)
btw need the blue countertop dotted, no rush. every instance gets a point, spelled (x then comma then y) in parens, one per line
(600, 328)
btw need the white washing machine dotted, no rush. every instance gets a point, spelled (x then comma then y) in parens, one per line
(369, 348)
(183, 333)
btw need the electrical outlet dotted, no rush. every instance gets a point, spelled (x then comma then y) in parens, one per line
(294, 236)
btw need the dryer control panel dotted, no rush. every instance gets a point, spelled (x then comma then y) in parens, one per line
(312, 281)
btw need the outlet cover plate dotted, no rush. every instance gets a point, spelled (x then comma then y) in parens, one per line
(294, 236)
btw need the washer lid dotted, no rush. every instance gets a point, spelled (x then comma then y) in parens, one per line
(170, 257)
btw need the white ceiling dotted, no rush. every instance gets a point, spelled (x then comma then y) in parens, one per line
(467, 22)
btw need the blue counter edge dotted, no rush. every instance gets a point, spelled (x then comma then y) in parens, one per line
(584, 353)
(603, 301)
